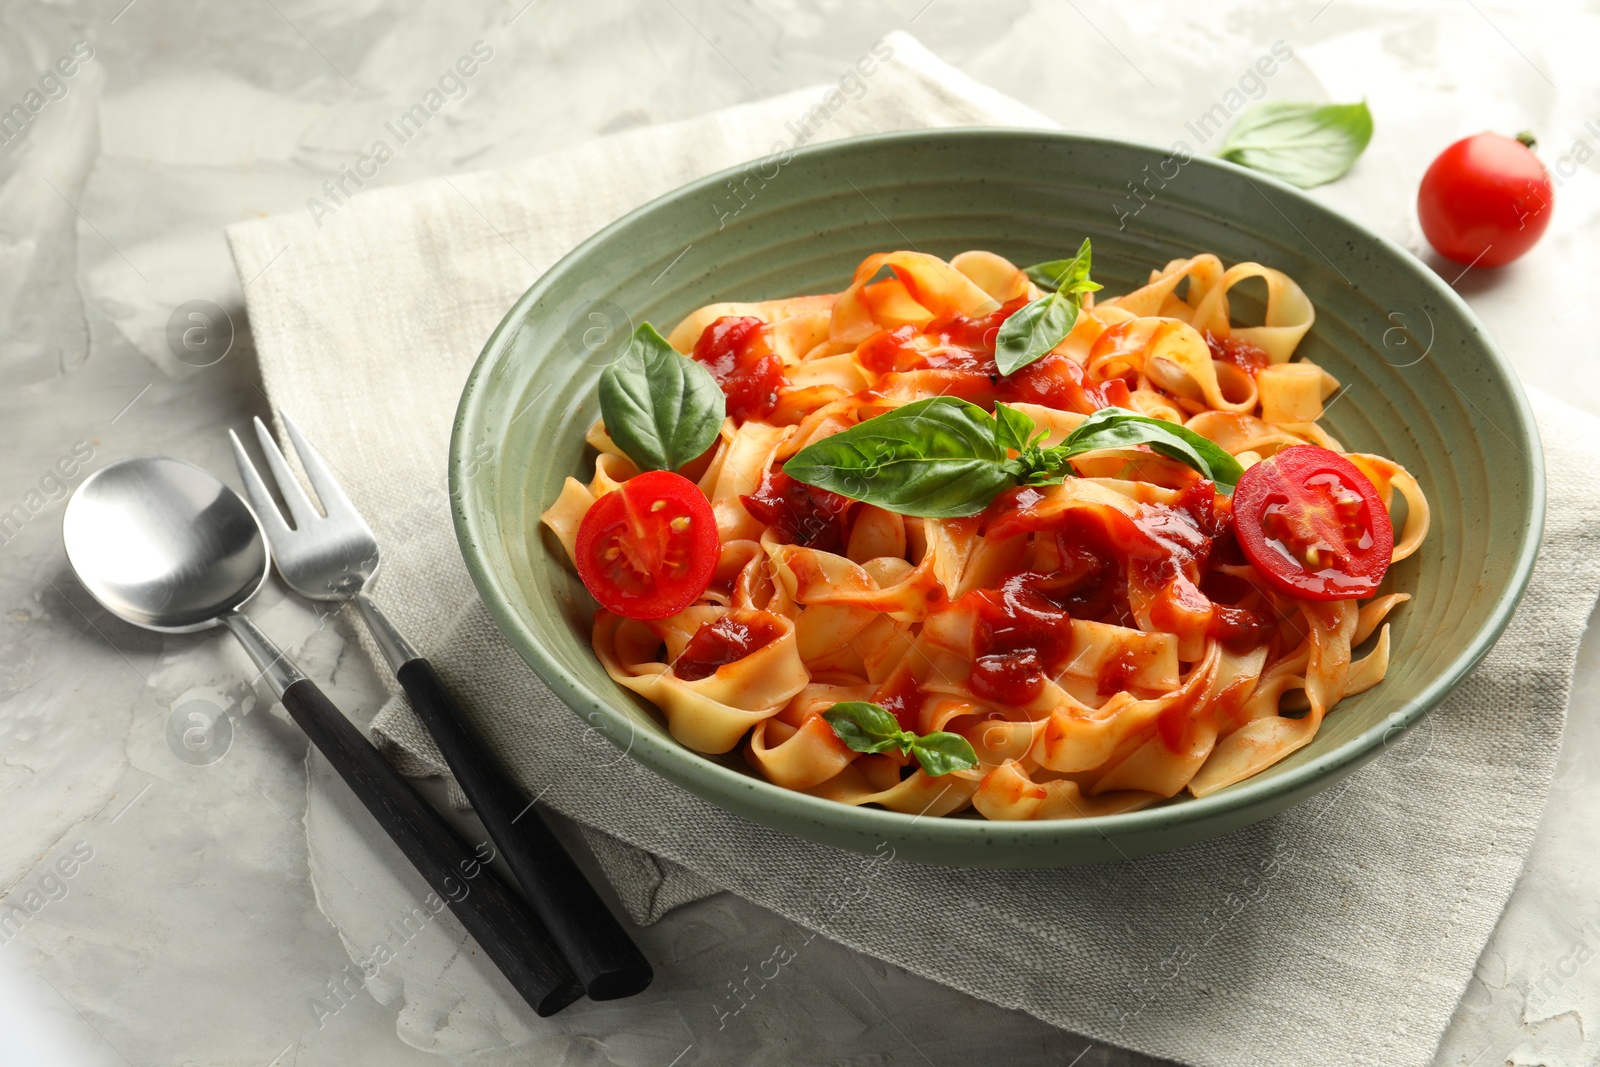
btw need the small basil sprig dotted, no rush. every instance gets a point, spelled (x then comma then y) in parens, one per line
(1305, 144)
(945, 457)
(869, 728)
(1037, 327)
(1014, 429)
(661, 408)
(1057, 274)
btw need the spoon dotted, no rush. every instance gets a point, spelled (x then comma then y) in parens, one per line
(163, 544)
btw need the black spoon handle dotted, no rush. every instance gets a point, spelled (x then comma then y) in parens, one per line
(495, 917)
(607, 962)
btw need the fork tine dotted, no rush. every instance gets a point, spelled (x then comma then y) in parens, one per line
(329, 491)
(260, 499)
(288, 485)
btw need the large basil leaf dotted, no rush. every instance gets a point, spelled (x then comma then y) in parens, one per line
(1121, 428)
(661, 408)
(944, 458)
(1037, 327)
(936, 458)
(1305, 144)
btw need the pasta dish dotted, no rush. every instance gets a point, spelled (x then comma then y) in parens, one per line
(966, 535)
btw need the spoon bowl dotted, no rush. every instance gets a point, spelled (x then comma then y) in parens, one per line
(164, 544)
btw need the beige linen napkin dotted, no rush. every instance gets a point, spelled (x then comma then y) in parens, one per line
(1340, 932)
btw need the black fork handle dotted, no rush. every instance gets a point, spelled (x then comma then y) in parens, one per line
(604, 957)
(495, 916)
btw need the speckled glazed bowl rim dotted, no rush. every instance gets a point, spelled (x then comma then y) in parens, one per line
(756, 798)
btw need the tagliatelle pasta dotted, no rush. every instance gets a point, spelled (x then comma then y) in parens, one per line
(1105, 636)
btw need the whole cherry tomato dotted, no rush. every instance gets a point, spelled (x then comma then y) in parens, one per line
(1486, 200)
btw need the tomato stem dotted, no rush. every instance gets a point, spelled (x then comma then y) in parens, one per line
(1526, 137)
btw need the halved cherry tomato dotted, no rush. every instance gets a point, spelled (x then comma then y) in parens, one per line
(647, 549)
(1312, 525)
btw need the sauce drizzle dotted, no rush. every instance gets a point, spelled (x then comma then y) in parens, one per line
(724, 640)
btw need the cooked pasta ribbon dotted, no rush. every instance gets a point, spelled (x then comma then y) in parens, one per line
(1099, 641)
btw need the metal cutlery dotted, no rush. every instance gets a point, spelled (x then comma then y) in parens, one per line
(333, 555)
(164, 545)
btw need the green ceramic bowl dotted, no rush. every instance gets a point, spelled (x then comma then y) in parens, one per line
(1426, 386)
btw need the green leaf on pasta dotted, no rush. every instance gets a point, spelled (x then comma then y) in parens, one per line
(661, 408)
(943, 752)
(936, 457)
(1037, 327)
(1120, 428)
(870, 729)
(1012, 428)
(866, 727)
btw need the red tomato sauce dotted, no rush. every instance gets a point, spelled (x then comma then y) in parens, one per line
(735, 350)
(1022, 638)
(1118, 672)
(1092, 581)
(960, 350)
(800, 514)
(1023, 634)
(725, 640)
(904, 699)
(1060, 382)
(1242, 354)
(1181, 532)
(1241, 629)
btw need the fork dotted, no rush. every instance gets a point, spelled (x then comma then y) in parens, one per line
(334, 556)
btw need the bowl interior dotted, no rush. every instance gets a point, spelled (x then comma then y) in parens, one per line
(1423, 384)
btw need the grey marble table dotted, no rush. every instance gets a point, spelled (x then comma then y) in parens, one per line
(178, 893)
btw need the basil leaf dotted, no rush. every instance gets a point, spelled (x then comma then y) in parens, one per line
(1012, 428)
(1304, 144)
(1037, 327)
(661, 408)
(1049, 275)
(1121, 428)
(1033, 330)
(865, 727)
(1069, 274)
(944, 458)
(942, 752)
(1040, 466)
(935, 458)
(868, 728)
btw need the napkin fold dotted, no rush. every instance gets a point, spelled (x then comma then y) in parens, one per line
(1342, 931)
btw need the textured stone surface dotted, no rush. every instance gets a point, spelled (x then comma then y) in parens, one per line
(220, 888)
